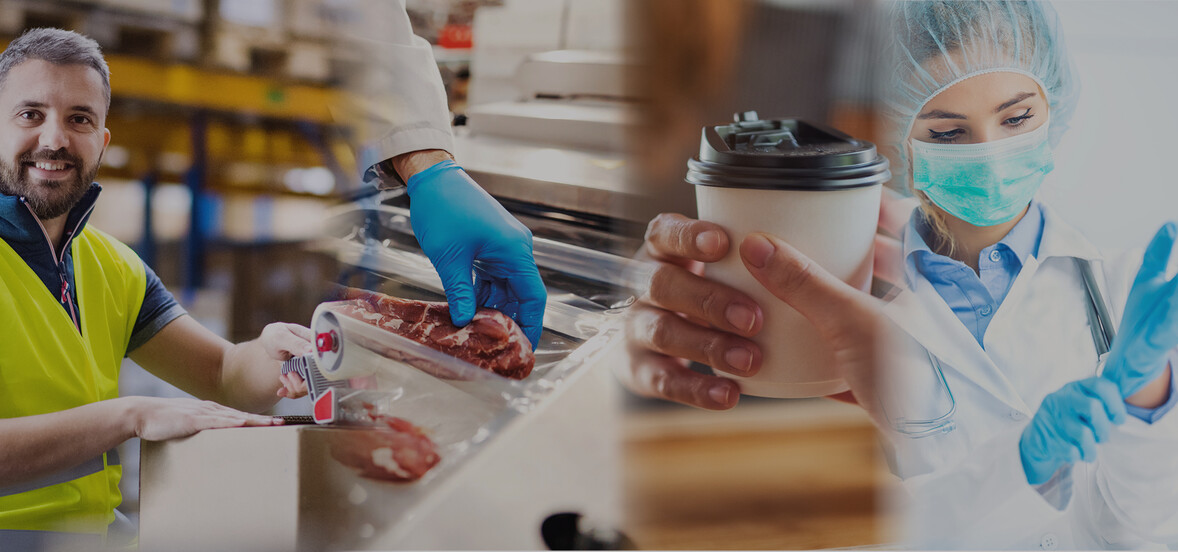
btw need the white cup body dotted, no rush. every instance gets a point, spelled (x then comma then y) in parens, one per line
(835, 229)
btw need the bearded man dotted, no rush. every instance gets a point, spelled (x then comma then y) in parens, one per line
(74, 301)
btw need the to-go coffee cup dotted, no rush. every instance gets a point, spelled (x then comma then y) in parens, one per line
(814, 187)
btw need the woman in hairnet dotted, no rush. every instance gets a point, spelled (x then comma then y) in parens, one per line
(1012, 424)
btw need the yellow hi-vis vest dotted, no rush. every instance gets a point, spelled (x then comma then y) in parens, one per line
(46, 366)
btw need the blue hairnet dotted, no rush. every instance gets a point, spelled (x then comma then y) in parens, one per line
(938, 43)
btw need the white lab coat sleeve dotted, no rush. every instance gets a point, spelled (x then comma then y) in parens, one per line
(1137, 470)
(964, 502)
(397, 103)
(1138, 476)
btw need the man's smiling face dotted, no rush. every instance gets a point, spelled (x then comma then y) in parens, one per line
(52, 134)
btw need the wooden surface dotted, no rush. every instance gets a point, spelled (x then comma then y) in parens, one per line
(798, 475)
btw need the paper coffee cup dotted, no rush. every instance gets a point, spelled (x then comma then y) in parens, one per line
(815, 188)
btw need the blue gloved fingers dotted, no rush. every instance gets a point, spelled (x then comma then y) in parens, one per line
(1095, 418)
(494, 293)
(1039, 453)
(482, 290)
(1077, 430)
(1142, 356)
(533, 298)
(458, 281)
(1068, 425)
(1157, 255)
(1149, 327)
(1087, 444)
(1108, 396)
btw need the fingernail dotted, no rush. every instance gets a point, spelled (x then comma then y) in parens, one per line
(741, 317)
(739, 358)
(719, 394)
(708, 242)
(757, 250)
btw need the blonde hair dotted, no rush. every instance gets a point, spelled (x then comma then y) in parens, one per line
(942, 241)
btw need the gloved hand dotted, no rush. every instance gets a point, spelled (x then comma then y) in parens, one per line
(460, 227)
(1067, 427)
(1149, 328)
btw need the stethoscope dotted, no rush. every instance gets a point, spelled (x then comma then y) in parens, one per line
(1103, 333)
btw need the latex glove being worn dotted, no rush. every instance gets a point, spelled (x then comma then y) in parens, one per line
(461, 228)
(1067, 427)
(1149, 328)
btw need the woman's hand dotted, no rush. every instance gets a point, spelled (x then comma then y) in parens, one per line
(1068, 425)
(1149, 327)
(687, 317)
(850, 321)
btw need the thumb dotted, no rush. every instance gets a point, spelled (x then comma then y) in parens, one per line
(298, 339)
(458, 280)
(826, 301)
(302, 332)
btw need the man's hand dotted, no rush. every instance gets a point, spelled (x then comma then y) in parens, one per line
(1067, 427)
(282, 342)
(687, 317)
(461, 228)
(158, 419)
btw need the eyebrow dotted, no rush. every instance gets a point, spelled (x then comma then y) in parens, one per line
(1020, 97)
(40, 105)
(938, 114)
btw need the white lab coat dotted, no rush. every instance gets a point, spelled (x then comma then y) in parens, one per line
(397, 103)
(966, 487)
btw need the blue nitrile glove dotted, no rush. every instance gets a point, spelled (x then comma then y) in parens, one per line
(1149, 328)
(1068, 425)
(461, 228)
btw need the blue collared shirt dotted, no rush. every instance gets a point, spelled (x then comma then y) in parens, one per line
(974, 297)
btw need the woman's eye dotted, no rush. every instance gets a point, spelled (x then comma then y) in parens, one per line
(947, 136)
(1019, 120)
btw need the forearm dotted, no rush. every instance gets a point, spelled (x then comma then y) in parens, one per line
(37, 446)
(409, 164)
(249, 377)
(1155, 393)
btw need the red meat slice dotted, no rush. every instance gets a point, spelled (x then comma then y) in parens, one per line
(395, 450)
(492, 341)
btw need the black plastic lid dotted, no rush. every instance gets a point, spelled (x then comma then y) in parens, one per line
(784, 154)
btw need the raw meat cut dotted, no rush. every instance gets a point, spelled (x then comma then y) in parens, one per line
(492, 341)
(394, 450)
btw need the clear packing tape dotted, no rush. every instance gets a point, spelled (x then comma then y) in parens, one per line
(390, 361)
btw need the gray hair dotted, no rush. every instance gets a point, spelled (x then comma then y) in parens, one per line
(59, 47)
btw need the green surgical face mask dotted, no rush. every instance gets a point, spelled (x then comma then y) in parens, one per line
(983, 184)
